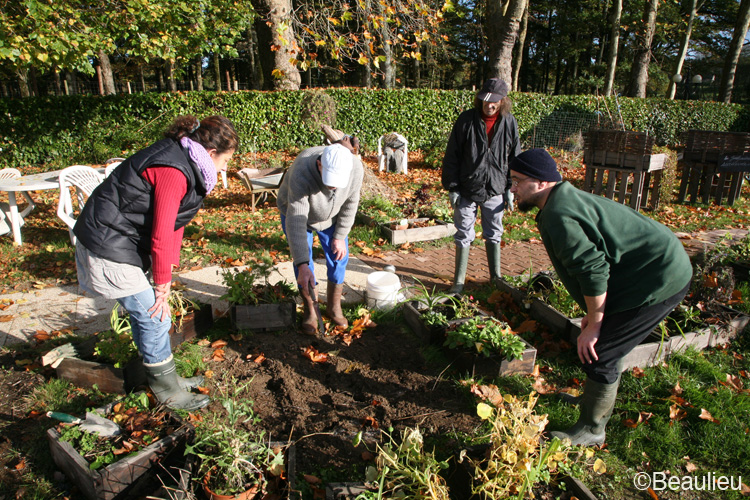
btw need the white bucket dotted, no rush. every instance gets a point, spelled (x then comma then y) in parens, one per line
(382, 289)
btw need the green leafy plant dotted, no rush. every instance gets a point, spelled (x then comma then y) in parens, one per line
(233, 451)
(405, 470)
(141, 424)
(116, 344)
(548, 288)
(517, 457)
(380, 209)
(486, 335)
(243, 288)
(180, 306)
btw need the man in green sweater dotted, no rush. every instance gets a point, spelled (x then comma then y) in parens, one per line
(625, 270)
(320, 193)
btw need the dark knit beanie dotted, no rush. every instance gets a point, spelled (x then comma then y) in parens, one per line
(536, 163)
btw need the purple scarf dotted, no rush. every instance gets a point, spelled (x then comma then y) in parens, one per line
(201, 157)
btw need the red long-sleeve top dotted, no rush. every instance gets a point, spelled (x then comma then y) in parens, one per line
(489, 122)
(170, 186)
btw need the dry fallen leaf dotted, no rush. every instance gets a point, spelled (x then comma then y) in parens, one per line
(218, 344)
(676, 413)
(313, 355)
(638, 372)
(705, 415)
(218, 355)
(312, 479)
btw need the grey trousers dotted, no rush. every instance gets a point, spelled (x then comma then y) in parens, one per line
(465, 215)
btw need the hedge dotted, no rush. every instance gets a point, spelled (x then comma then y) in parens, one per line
(64, 130)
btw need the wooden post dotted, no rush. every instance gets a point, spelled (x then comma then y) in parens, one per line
(229, 82)
(236, 85)
(129, 89)
(65, 84)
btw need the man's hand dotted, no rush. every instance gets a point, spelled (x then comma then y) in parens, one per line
(161, 306)
(339, 248)
(305, 278)
(454, 198)
(509, 200)
(587, 340)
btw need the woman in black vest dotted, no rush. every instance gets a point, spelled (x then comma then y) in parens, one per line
(133, 223)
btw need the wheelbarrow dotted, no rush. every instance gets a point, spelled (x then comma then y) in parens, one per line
(261, 182)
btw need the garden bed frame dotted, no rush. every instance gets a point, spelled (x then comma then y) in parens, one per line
(413, 234)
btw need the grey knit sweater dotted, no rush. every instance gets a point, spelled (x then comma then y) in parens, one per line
(307, 203)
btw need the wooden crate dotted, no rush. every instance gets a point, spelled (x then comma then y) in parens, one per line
(194, 325)
(620, 164)
(113, 481)
(701, 160)
(492, 366)
(429, 334)
(412, 234)
(84, 372)
(266, 317)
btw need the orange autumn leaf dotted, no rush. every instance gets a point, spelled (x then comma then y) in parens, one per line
(676, 413)
(203, 390)
(310, 479)
(260, 358)
(527, 326)
(314, 355)
(710, 281)
(677, 390)
(218, 355)
(370, 422)
(638, 372)
(705, 415)
(6, 318)
(218, 344)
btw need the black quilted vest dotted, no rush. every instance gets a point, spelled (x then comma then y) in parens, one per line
(117, 219)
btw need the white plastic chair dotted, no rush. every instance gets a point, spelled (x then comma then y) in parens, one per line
(5, 226)
(111, 164)
(84, 179)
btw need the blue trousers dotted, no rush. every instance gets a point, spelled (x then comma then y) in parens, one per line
(335, 269)
(151, 335)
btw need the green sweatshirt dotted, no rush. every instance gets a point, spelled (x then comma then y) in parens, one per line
(306, 202)
(597, 245)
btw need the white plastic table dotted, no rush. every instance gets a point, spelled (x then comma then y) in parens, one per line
(26, 183)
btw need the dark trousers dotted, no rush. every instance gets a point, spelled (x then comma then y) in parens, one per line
(622, 331)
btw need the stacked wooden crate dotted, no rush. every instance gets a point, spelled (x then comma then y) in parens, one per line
(701, 161)
(621, 163)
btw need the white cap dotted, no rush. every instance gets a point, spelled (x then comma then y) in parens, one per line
(337, 166)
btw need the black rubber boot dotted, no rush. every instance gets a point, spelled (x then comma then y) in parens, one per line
(163, 380)
(462, 262)
(493, 260)
(596, 405)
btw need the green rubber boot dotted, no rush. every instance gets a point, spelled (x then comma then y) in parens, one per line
(190, 383)
(163, 380)
(493, 260)
(462, 262)
(596, 404)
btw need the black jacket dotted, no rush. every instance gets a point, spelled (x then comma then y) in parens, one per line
(117, 219)
(476, 170)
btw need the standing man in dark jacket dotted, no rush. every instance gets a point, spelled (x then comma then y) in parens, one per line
(475, 172)
(625, 270)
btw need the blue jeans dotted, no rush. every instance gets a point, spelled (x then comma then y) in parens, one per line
(151, 335)
(336, 269)
(465, 215)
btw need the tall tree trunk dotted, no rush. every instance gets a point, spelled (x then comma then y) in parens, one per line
(142, 77)
(733, 55)
(614, 43)
(170, 67)
(388, 67)
(108, 79)
(501, 26)
(520, 48)
(639, 72)
(217, 71)
(251, 59)
(199, 74)
(58, 82)
(23, 81)
(276, 22)
(693, 7)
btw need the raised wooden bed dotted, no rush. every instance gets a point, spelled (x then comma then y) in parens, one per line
(110, 482)
(430, 334)
(480, 365)
(193, 325)
(86, 373)
(652, 350)
(411, 234)
(264, 317)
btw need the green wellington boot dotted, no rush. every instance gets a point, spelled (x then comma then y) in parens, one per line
(596, 405)
(162, 378)
(462, 262)
(493, 260)
(190, 383)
